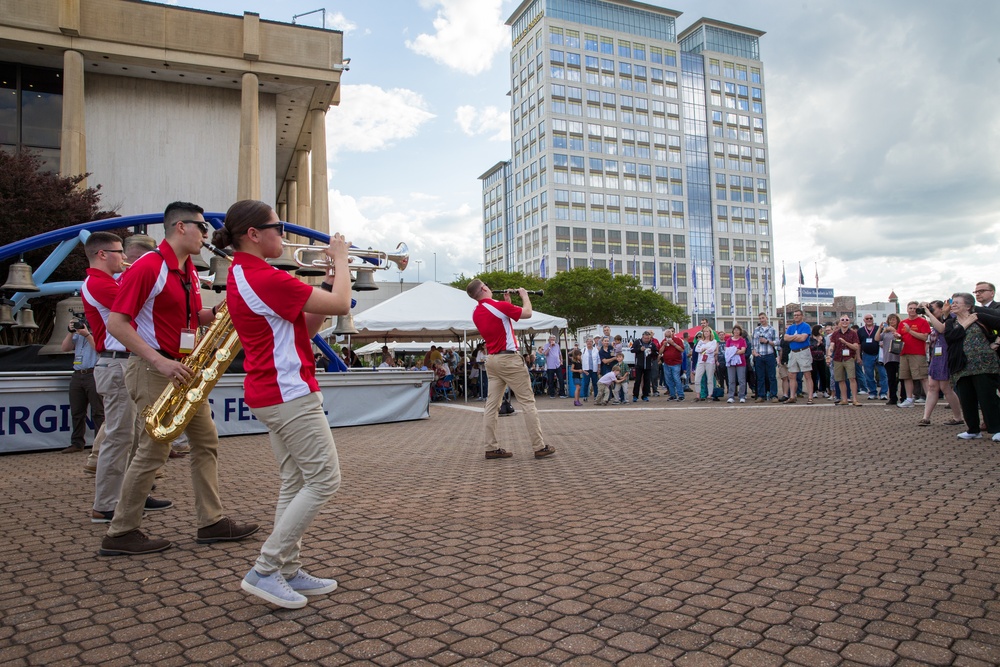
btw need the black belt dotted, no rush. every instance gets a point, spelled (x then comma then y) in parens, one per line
(161, 353)
(85, 371)
(505, 352)
(114, 355)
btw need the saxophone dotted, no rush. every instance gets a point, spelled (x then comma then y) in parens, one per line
(167, 418)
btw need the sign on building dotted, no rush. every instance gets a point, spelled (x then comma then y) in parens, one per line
(815, 295)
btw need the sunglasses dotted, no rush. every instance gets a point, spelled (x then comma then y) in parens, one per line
(202, 225)
(280, 226)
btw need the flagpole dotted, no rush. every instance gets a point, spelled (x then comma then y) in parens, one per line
(784, 296)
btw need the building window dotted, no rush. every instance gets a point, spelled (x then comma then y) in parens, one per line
(31, 111)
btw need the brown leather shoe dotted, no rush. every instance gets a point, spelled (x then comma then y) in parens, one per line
(225, 530)
(544, 451)
(71, 449)
(132, 543)
(498, 454)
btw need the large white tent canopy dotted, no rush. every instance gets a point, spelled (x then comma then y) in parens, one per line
(433, 312)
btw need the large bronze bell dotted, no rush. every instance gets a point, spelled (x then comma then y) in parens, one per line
(365, 282)
(6, 313)
(19, 278)
(310, 258)
(26, 319)
(220, 267)
(345, 325)
(66, 311)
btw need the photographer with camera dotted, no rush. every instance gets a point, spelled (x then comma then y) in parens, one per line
(82, 388)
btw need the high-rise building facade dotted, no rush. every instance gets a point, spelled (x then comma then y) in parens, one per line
(637, 149)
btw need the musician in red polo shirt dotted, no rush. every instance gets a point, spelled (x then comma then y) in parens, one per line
(155, 316)
(276, 315)
(99, 291)
(495, 322)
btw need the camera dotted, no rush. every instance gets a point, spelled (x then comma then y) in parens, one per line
(921, 311)
(79, 321)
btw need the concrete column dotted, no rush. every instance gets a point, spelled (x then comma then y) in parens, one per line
(282, 211)
(320, 182)
(73, 140)
(303, 197)
(292, 202)
(248, 174)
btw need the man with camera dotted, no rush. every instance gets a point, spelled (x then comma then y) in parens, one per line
(82, 388)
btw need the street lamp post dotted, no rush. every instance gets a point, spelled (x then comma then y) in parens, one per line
(435, 267)
(419, 262)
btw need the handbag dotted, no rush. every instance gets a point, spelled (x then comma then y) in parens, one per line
(896, 346)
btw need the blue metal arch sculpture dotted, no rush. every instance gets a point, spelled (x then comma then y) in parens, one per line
(67, 238)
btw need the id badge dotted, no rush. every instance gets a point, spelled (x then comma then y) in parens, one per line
(868, 340)
(937, 351)
(845, 353)
(188, 337)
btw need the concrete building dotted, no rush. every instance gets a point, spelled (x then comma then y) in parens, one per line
(161, 103)
(637, 149)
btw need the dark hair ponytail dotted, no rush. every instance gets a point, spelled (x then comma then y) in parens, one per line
(240, 217)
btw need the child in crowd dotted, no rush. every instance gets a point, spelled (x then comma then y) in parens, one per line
(576, 370)
(606, 383)
(623, 370)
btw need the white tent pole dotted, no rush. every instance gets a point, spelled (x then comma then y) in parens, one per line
(465, 372)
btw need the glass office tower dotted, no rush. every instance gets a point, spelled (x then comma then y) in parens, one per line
(637, 149)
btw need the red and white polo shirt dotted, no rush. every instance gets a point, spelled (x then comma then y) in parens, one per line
(495, 322)
(99, 291)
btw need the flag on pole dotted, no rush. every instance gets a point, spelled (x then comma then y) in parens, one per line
(635, 266)
(732, 293)
(802, 278)
(748, 286)
(569, 262)
(694, 274)
(674, 281)
(712, 303)
(611, 265)
(782, 275)
(591, 261)
(541, 268)
(817, 275)
(654, 275)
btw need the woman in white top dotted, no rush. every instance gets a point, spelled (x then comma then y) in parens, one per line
(705, 354)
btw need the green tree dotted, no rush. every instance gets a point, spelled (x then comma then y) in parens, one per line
(36, 201)
(590, 296)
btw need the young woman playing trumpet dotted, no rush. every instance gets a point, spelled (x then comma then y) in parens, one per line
(275, 315)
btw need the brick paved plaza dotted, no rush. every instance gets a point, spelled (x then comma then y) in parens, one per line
(664, 535)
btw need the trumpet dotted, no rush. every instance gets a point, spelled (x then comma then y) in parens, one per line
(529, 292)
(368, 260)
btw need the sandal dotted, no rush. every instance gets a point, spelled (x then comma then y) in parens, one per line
(954, 422)
(924, 422)
(809, 402)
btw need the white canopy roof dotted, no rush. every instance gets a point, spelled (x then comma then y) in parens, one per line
(433, 311)
(412, 346)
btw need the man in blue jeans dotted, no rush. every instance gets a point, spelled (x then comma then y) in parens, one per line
(671, 357)
(869, 360)
(765, 360)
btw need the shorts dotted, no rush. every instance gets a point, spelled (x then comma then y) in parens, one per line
(800, 361)
(844, 370)
(782, 371)
(912, 366)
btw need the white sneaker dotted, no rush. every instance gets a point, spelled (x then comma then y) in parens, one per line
(861, 392)
(743, 400)
(730, 401)
(274, 589)
(908, 403)
(965, 435)
(920, 401)
(306, 584)
(996, 437)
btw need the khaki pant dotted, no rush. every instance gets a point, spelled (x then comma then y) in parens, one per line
(310, 474)
(145, 384)
(508, 370)
(119, 432)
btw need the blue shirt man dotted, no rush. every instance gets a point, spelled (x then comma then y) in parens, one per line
(800, 358)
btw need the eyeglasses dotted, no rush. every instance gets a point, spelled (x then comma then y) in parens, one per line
(280, 226)
(120, 252)
(201, 224)
(980, 291)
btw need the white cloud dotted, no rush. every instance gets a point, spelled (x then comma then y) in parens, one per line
(426, 226)
(467, 35)
(487, 120)
(370, 118)
(337, 21)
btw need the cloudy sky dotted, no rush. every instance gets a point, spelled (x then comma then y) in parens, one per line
(881, 116)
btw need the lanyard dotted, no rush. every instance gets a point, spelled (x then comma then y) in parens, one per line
(186, 284)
